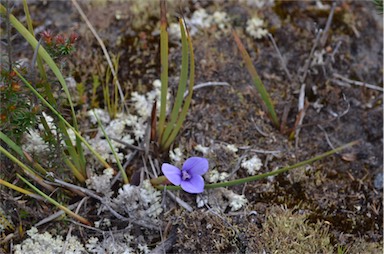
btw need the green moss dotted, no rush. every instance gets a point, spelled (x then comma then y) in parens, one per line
(287, 232)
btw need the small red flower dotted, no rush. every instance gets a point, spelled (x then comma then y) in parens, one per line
(73, 37)
(60, 40)
(47, 36)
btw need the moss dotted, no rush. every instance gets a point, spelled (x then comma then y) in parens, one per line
(287, 232)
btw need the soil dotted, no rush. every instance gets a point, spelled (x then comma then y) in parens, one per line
(338, 191)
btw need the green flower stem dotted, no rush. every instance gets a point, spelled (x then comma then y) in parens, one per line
(257, 177)
(125, 177)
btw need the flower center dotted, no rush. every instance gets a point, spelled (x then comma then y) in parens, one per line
(185, 175)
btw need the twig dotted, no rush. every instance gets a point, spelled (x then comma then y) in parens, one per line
(180, 201)
(280, 57)
(93, 195)
(354, 82)
(206, 85)
(106, 54)
(326, 136)
(308, 61)
(327, 26)
(128, 145)
(166, 245)
(55, 215)
(301, 114)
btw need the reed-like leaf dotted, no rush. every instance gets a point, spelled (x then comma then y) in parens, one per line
(188, 99)
(164, 68)
(181, 88)
(125, 177)
(257, 81)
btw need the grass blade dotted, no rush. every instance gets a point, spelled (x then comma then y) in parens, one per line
(46, 103)
(164, 68)
(181, 88)
(125, 177)
(257, 81)
(188, 100)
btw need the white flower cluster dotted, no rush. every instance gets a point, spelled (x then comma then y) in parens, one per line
(252, 165)
(255, 28)
(141, 202)
(46, 243)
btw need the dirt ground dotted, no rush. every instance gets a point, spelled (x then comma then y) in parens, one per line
(339, 197)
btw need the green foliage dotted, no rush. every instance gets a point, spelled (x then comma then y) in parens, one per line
(17, 112)
(167, 131)
(379, 5)
(257, 81)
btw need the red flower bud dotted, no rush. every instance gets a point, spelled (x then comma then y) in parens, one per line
(73, 37)
(60, 40)
(47, 36)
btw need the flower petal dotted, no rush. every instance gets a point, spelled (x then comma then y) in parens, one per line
(172, 173)
(196, 165)
(193, 185)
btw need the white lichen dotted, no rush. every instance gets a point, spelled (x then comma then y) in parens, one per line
(202, 149)
(255, 28)
(138, 202)
(252, 165)
(231, 148)
(34, 143)
(236, 201)
(101, 183)
(215, 176)
(176, 155)
(102, 114)
(48, 244)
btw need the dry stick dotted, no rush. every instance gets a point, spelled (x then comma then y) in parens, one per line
(71, 226)
(55, 215)
(324, 36)
(301, 108)
(280, 57)
(354, 82)
(326, 136)
(206, 84)
(308, 61)
(93, 195)
(106, 54)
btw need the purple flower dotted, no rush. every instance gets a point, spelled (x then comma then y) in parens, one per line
(190, 176)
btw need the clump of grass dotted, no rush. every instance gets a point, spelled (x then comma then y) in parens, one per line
(168, 130)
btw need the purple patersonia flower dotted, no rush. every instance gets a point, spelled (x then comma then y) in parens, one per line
(190, 176)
